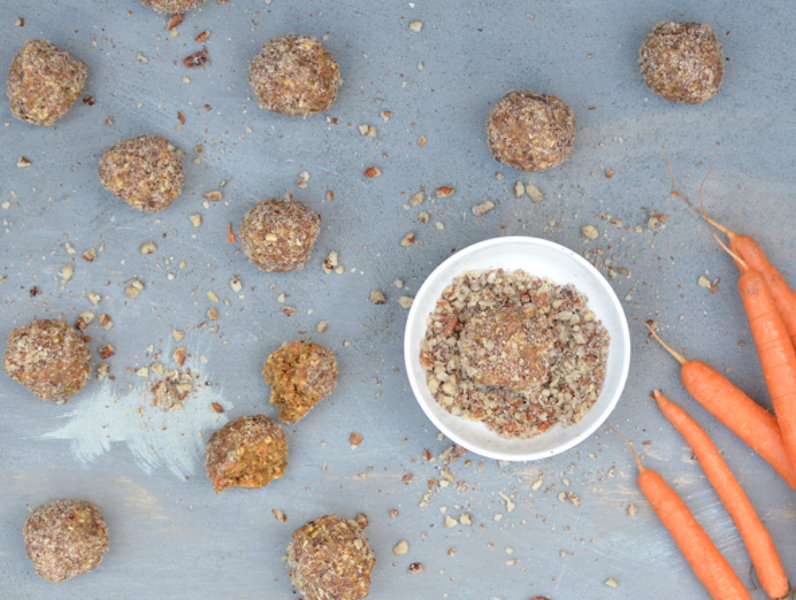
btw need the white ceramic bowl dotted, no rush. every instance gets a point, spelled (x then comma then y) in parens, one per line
(539, 258)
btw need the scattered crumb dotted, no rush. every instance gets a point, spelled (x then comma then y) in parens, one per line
(611, 582)
(401, 548)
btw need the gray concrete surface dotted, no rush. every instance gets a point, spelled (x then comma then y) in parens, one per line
(171, 536)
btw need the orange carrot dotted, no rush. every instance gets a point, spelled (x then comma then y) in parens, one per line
(752, 253)
(774, 350)
(231, 237)
(737, 411)
(700, 552)
(755, 535)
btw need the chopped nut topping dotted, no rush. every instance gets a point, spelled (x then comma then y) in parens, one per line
(406, 301)
(386, 115)
(83, 320)
(408, 239)
(131, 292)
(590, 232)
(179, 356)
(519, 189)
(355, 439)
(217, 407)
(452, 552)
(196, 220)
(178, 335)
(197, 59)
(377, 297)
(212, 314)
(106, 351)
(362, 520)
(416, 26)
(19, 22)
(212, 295)
(321, 326)
(142, 59)
(329, 195)
(479, 210)
(215, 196)
(393, 512)
(444, 191)
(103, 371)
(371, 172)
(611, 582)
(148, 248)
(174, 21)
(421, 141)
(466, 519)
(280, 516)
(418, 198)
(23, 162)
(304, 177)
(235, 284)
(415, 567)
(401, 548)
(202, 37)
(66, 273)
(534, 193)
(89, 255)
(289, 311)
(632, 511)
(423, 217)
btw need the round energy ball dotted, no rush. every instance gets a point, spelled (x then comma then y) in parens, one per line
(172, 6)
(249, 452)
(43, 83)
(331, 559)
(49, 358)
(682, 62)
(294, 75)
(300, 374)
(146, 172)
(278, 235)
(65, 538)
(530, 131)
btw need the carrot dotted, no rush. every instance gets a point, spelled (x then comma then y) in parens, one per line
(752, 253)
(737, 411)
(231, 236)
(755, 535)
(700, 552)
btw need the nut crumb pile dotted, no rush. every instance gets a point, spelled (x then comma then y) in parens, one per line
(300, 374)
(331, 559)
(514, 351)
(294, 75)
(249, 452)
(278, 235)
(49, 358)
(145, 172)
(682, 62)
(44, 82)
(530, 131)
(65, 538)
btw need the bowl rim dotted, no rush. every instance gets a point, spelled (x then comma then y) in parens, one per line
(621, 338)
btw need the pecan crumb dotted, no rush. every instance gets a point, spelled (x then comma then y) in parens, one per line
(479, 210)
(217, 407)
(89, 255)
(174, 21)
(280, 516)
(23, 162)
(377, 297)
(321, 326)
(362, 520)
(371, 172)
(401, 548)
(355, 439)
(444, 191)
(415, 567)
(215, 196)
(197, 59)
(88, 100)
(106, 351)
(202, 37)
(393, 512)
(408, 239)
(179, 356)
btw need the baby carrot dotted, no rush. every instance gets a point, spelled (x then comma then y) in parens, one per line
(752, 253)
(737, 411)
(775, 352)
(700, 552)
(755, 535)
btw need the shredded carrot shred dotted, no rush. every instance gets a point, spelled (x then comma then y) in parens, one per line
(231, 237)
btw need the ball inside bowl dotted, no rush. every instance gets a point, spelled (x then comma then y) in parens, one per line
(543, 259)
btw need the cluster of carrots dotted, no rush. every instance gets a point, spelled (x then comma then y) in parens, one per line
(770, 306)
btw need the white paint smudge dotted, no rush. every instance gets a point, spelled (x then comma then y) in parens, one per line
(175, 440)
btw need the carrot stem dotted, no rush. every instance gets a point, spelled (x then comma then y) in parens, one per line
(674, 353)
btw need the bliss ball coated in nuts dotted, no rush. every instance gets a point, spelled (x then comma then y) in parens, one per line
(300, 374)
(65, 538)
(43, 83)
(49, 358)
(331, 559)
(278, 235)
(172, 6)
(530, 131)
(249, 452)
(294, 75)
(682, 62)
(146, 172)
